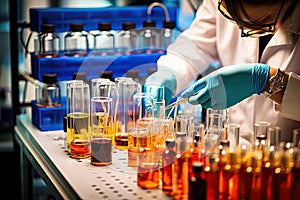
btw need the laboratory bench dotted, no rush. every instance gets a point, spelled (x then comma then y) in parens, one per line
(69, 178)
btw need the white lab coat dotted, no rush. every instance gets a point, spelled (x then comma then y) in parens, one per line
(211, 37)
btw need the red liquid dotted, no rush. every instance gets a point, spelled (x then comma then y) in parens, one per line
(101, 152)
(296, 183)
(212, 184)
(80, 149)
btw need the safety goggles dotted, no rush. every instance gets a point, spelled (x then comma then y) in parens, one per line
(259, 30)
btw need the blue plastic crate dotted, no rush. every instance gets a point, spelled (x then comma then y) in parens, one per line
(48, 119)
(65, 66)
(90, 17)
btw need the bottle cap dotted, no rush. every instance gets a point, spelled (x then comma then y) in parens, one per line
(106, 74)
(128, 26)
(76, 27)
(105, 26)
(79, 76)
(48, 28)
(169, 24)
(49, 78)
(149, 24)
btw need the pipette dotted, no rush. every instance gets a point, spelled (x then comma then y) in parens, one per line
(177, 102)
(180, 100)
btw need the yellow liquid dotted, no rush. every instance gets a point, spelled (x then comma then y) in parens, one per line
(77, 128)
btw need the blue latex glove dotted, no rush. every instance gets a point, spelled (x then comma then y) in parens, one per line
(164, 78)
(228, 85)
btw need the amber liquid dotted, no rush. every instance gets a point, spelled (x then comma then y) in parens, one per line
(212, 177)
(136, 142)
(231, 186)
(184, 170)
(168, 159)
(101, 152)
(78, 138)
(252, 185)
(80, 149)
(121, 141)
(148, 170)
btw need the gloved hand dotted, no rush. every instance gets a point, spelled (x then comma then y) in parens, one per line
(228, 85)
(163, 78)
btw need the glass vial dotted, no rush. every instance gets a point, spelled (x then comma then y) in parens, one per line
(197, 182)
(104, 40)
(126, 39)
(46, 43)
(167, 34)
(168, 159)
(149, 37)
(76, 41)
(48, 95)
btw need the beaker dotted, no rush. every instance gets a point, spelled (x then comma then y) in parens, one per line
(79, 120)
(102, 129)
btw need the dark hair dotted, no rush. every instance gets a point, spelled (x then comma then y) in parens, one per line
(236, 10)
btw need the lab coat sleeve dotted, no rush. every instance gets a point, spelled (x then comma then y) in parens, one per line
(290, 105)
(193, 49)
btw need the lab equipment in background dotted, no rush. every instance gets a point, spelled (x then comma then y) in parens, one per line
(104, 40)
(149, 38)
(108, 74)
(46, 43)
(127, 39)
(48, 94)
(76, 41)
(167, 34)
(80, 76)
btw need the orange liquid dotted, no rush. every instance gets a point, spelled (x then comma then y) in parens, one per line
(168, 159)
(80, 149)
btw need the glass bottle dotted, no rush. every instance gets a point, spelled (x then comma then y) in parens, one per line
(104, 40)
(183, 168)
(48, 95)
(46, 43)
(197, 182)
(149, 38)
(126, 39)
(212, 174)
(76, 41)
(168, 159)
(167, 35)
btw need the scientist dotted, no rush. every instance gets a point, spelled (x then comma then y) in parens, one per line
(257, 46)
